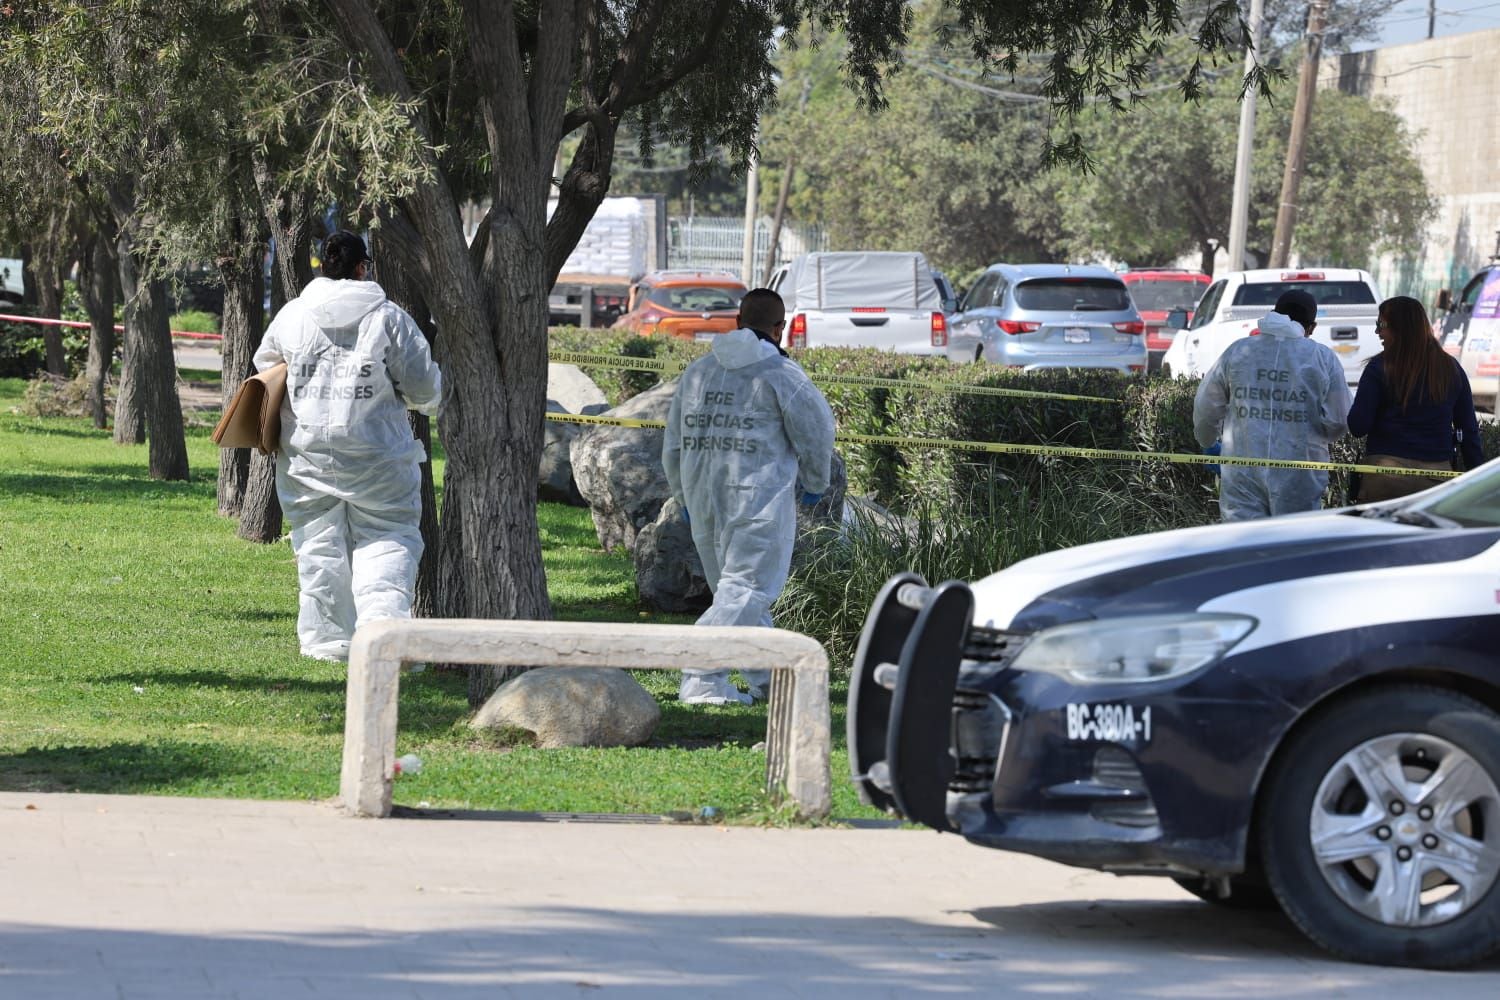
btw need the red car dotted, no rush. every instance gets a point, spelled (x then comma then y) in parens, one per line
(1158, 291)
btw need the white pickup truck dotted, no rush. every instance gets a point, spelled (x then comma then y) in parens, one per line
(1348, 304)
(863, 298)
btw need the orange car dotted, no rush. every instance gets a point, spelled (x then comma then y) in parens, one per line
(692, 305)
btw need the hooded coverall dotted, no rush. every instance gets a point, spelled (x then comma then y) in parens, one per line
(746, 426)
(1275, 395)
(348, 473)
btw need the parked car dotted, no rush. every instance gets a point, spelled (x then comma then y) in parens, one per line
(689, 305)
(1348, 305)
(863, 298)
(1471, 332)
(1158, 292)
(1304, 709)
(1034, 316)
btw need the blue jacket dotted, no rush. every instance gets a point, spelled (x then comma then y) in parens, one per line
(1424, 429)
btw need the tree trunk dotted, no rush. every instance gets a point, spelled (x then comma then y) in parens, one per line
(97, 275)
(47, 263)
(241, 267)
(287, 217)
(489, 483)
(130, 415)
(147, 322)
(1206, 258)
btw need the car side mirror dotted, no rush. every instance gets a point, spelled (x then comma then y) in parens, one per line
(1177, 319)
(1444, 300)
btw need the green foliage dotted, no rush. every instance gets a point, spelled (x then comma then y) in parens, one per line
(1165, 172)
(942, 539)
(195, 321)
(23, 353)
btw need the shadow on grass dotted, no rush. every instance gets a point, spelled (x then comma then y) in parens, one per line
(28, 425)
(106, 485)
(231, 682)
(255, 616)
(121, 767)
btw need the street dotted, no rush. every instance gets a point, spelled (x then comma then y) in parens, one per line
(115, 896)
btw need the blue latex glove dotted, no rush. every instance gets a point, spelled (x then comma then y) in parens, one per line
(811, 498)
(689, 521)
(1217, 448)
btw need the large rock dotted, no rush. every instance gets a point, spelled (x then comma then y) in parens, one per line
(668, 572)
(574, 707)
(568, 391)
(568, 386)
(618, 469)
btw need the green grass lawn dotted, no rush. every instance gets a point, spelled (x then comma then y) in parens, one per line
(145, 649)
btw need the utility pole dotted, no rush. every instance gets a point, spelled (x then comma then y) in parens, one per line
(1431, 16)
(1239, 218)
(752, 194)
(1296, 148)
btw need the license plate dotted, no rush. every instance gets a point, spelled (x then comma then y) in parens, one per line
(1077, 335)
(704, 335)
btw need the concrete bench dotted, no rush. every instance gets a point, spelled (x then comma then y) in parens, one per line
(797, 732)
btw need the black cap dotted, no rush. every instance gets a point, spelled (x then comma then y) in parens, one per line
(345, 247)
(1298, 305)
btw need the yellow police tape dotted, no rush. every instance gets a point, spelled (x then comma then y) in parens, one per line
(672, 367)
(1061, 451)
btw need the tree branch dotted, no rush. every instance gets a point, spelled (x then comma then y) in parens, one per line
(365, 36)
(552, 73)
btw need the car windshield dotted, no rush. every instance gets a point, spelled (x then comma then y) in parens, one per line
(695, 298)
(1072, 295)
(1473, 503)
(1164, 294)
(1326, 293)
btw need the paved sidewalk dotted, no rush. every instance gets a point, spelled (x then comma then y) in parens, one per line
(127, 897)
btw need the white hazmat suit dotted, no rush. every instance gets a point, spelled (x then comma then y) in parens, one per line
(348, 471)
(745, 428)
(1275, 395)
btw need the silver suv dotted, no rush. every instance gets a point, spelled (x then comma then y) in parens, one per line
(1034, 316)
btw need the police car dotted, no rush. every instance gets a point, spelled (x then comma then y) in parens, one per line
(1303, 710)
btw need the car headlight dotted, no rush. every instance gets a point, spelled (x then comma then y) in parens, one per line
(1133, 650)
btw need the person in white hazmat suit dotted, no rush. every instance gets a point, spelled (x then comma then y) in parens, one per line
(1274, 395)
(746, 427)
(348, 473)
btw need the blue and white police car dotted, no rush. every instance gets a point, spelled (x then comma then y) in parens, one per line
(1304, 709)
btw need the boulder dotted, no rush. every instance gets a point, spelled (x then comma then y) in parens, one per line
(618, 469)
(573, 707)
(555, 472)
(574, 391)
(668, 572)
(568, 391)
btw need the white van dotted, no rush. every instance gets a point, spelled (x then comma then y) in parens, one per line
(862, 298)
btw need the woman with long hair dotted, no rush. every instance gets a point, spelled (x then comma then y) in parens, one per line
(1413, 407)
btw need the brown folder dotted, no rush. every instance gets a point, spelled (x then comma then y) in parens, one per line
(253, 417)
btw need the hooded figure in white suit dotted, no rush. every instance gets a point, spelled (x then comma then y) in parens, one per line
(1276, 394)
(746, 427)
(348, 473)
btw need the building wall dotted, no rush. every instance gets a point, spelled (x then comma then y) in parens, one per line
(1446, 90)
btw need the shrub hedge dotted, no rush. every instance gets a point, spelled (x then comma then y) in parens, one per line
(1151, 414)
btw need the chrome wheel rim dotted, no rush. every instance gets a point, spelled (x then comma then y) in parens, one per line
(1405, 828)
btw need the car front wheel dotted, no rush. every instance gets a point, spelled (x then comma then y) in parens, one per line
(1381, 829)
